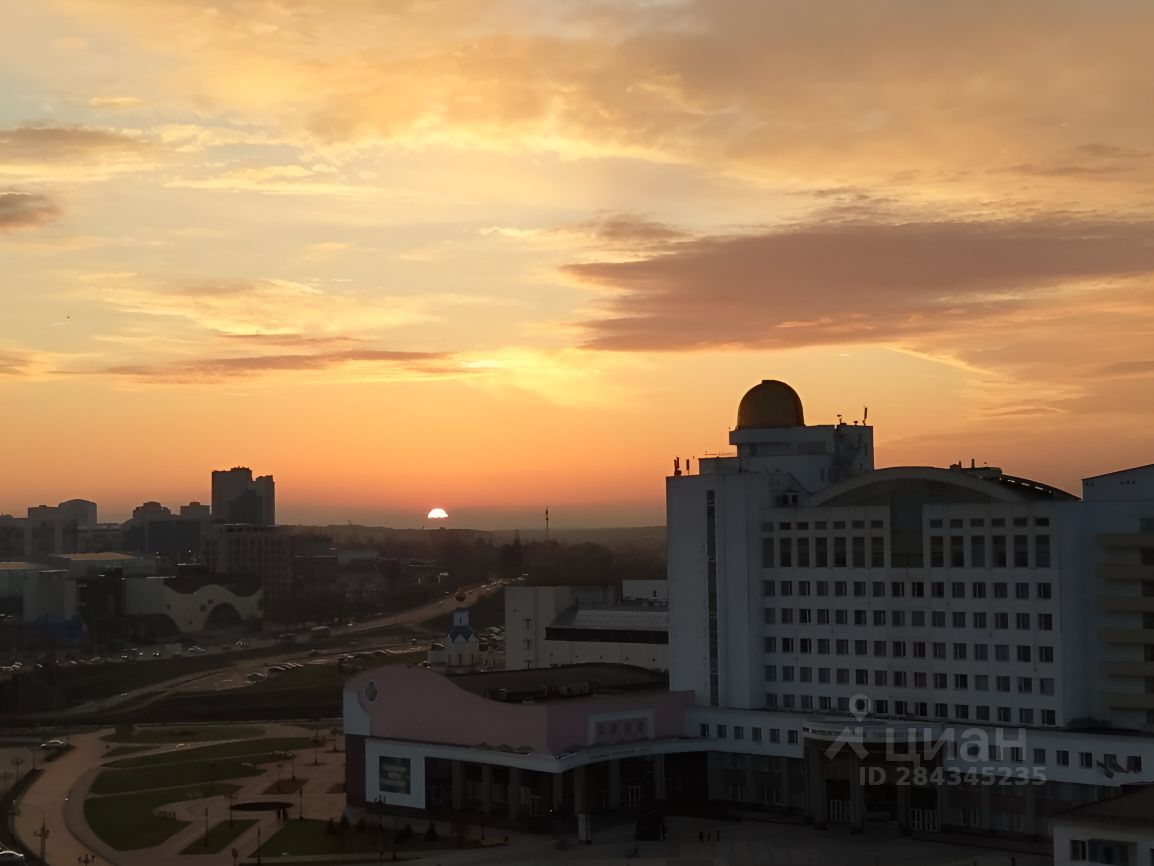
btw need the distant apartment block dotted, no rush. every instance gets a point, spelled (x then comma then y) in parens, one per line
(238, 497)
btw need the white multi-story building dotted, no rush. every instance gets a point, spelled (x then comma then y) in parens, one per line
(943, 603)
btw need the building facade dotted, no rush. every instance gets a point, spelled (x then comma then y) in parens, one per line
(264, 552)
(547, 626)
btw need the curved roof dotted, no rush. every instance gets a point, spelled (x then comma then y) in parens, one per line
(988, 483)
(770, 404)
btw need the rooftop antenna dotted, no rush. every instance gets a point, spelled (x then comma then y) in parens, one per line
(546, 524)
(839, 421)
(865, 414)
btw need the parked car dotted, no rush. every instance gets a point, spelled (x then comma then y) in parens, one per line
(52, 745)
(11, 857)
(197, 650)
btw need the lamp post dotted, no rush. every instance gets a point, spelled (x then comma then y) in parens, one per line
(206, 826)
(231, 794)
(279, 777)
(258, 845)
(42, 834)
(300, 803)
(292, 756)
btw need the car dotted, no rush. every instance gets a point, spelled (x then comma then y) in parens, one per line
(157, 655)
(52, 745)
(256, 677)
(7, 856)
(241, 644)
(314, 652)
(197, 650)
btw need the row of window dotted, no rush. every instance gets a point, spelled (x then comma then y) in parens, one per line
(953, 551)
(913, 649)
(897, 618)
(861, 551)
(934, 523)
(771, 735)
(902, 679)
(914, 709)
(914, 589)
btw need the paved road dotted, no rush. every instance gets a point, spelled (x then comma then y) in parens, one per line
(43, 805)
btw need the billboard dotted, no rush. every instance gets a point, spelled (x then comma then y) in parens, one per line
(396, 776)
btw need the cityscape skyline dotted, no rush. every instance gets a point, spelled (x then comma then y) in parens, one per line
(307, 234)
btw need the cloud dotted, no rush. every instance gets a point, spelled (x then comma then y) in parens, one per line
(26, 210)
(70, 152)
(796, 92)
(266, 307)
(377, 362)
(115, 102)
(853, 282)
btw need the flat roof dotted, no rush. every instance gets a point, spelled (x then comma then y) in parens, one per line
(94, 557)
(630, 616)
(1131, 807)
(545, 683)
(20, 566)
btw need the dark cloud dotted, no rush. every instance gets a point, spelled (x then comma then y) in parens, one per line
(853, 281)
(216, 369)
(630, 230)
(13, 364)
(64, 144)
(26, 210)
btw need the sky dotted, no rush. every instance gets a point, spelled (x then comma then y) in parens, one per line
(498, 255)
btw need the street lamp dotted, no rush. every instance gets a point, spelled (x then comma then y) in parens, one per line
(42, 835)
(231, 794)
(292, 756)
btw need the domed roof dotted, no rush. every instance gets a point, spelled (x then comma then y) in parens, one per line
(770, 404)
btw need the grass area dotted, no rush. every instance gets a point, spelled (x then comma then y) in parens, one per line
(311, 838)
(171, 775)
(125, 750)
(219, 837)
(186, 734)
(127, 823)
(261, 748)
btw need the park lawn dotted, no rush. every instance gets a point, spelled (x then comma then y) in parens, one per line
(172, 775)
(125, 750)
(239, 749)
(186, 734)
(219, 837)
(126, 822)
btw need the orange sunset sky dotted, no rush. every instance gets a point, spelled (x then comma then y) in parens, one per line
(495, 255)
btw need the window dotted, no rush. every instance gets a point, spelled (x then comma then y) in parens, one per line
(877, 552)
(979, 619)
(978, 589)
(981, 652)
(859, 554)
(803, 553)
(1085, 760)
(1001, 620)
(1001, 590)
(940, 681)
(1042, 551)
(774, 735)
(938, 618)
(1046, 685)
(983, 713)
(937, 550)
(805, 616)
(803, 587)
(898, 617)
(879, 617)
(939, 650)
(998, 549)
(839, 552)
(721, 732)
(1025, 717)
(881, 678)
(821, 551)
(755, 733)
(823, 616)
(859, 589)
(822, 587)
(1045, 622)
(981, 682)
(703, 730)
(1023, 653)
(1043, 591)
(1002, 684)
(791, 737)
(1079, 850)
(959, 651)
(958, 619)
(738, 732)
(767, 588)
(1046, 654)
(899, 649)
(1049, 718)
(771, 673)
(785, 553)
(937, 589)
(977, 551)
(787, 587)
(918, 618)
(1134, 764)
(787, 645)
(840, 587)
(823, 645)
(1063, 758)
(961, 681)
(1021, 551)
(841, 617)
(771, 644)
(860, 647)
(957, 590)
(919, 680)
(1022, 621)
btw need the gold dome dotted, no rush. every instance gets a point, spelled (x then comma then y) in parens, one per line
(770, 404)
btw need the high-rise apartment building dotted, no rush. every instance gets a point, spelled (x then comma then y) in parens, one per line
(258, 551)
(237, 497)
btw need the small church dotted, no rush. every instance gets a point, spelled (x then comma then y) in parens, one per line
(461, 650)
